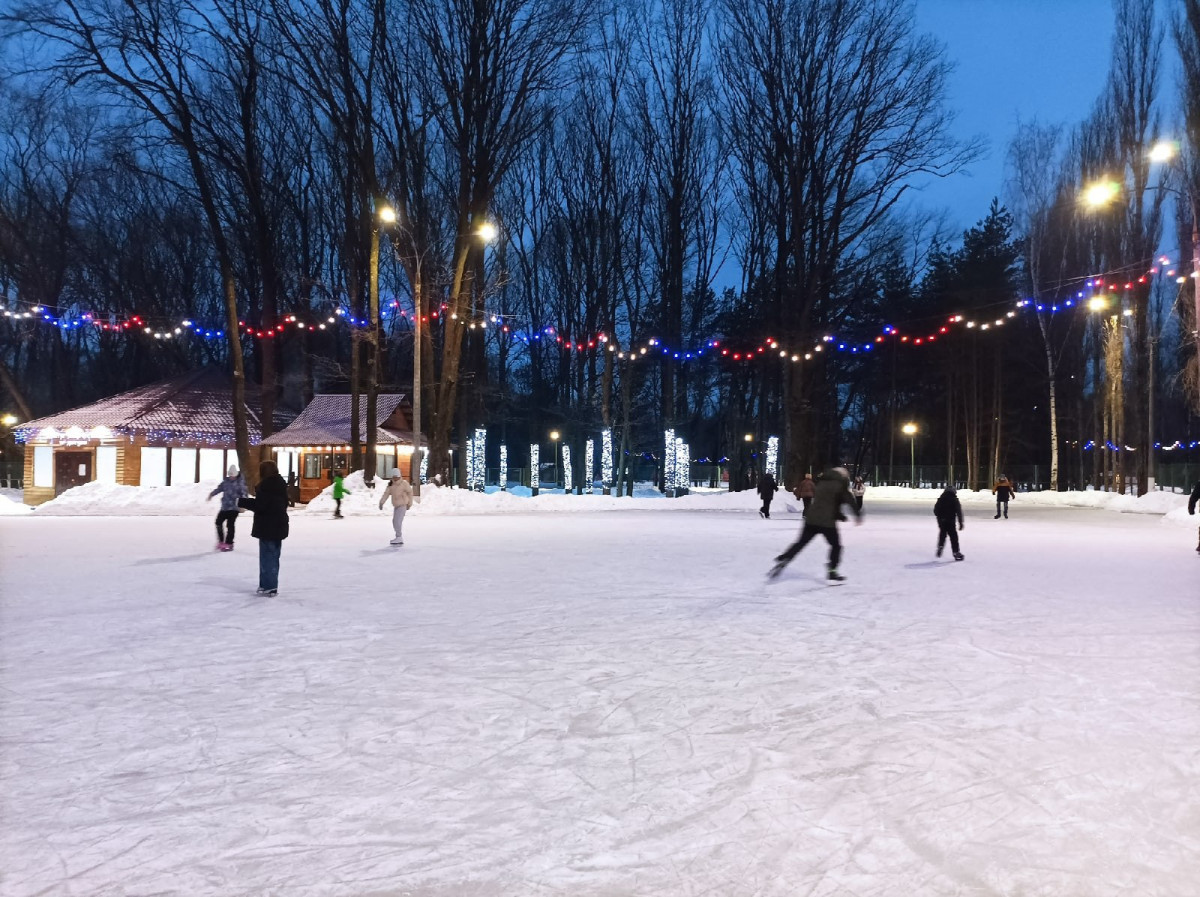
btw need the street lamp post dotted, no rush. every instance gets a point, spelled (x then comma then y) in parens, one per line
(384, 215)
(554, 437)
(910, 430)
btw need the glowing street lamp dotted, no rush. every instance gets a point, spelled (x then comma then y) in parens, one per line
(910, 430)
(1163, 151)
(8, 420)
(554, 437)
(1101, 193)
(488, 232)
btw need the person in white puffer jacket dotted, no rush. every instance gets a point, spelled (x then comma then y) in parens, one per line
(401, 495)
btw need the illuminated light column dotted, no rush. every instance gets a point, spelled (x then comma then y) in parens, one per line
(606, 460)
(479, 471)
(773, 456)
(568, 480)
(534, 451)
(503, 467)
(683, 467)
(669, 462)
(470, 484)
(589, 466)
(424, 466)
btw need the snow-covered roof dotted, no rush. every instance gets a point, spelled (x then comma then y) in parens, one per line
(197, 405)
(326, 421)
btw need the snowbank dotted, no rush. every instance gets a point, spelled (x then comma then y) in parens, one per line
(437, 500)
(106, 499)
(10, 507)
(110, 499)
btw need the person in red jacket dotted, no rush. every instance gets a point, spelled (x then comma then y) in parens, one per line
(805, 492)
(1003, 491)
(1192, 507)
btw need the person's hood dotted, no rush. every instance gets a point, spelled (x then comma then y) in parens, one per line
(840, 473)
(232, 471)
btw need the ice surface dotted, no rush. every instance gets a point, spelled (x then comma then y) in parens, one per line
(601, 704)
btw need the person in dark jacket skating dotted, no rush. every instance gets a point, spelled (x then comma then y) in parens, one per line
(767, 487)
(270, 504)
(1192, 502)
(948, 511)
(1003, 490)
(832, 491)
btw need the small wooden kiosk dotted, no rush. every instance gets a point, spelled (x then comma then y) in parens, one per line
(317, 443)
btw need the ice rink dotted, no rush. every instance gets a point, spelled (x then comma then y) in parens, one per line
(601, 705)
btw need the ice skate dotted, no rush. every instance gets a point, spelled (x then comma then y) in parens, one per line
(958, 555)
(940, 549)
(835, 578)
(226, 546)
(220, 546)
(396, 542)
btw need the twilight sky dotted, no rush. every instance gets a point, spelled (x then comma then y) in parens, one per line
(1015, 59)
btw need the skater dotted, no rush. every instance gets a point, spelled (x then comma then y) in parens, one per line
(948, 510)
(270, 524)
(1192, 506)
(767, 487)
(805, 492)
(232, 488)
(1003, 491)
(339, 491)
(858, 490)
(830, 493)
(293, 490)
(401, 495)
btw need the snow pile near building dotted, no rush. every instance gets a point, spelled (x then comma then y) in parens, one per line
(1154, 503)
(113, 500)
(10, 507)
(437, 500)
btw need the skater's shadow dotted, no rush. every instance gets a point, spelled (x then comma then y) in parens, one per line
(924, 565)
(375, 551)
(231, 585)
(175, 560)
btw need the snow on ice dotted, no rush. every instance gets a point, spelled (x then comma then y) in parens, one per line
(606, 702)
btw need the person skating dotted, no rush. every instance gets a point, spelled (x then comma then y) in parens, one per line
(1192, 506)
(805, 492)
(339, 491)
(767, 487)
(401, 494)
(858, 490)
(1003, 490)
(830, 492)
(232, 488)
(270, 507)
(948, 511)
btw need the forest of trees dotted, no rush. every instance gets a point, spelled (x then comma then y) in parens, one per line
(671, 183)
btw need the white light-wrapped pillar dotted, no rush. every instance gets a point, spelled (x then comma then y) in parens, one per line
(773, 456)
(479, 470)
(503, 467)
(534, 451)
(568, 480)
(683, 467)
(589, 466)
(470, 483)
(606, 460)
(669, 462)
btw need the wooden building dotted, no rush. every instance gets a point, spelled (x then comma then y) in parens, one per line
(317, 442)
(167, 433)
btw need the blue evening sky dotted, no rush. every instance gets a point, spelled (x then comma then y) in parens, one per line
(1014, 60)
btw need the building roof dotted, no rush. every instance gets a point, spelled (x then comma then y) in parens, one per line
(197, 405)
(326, 421)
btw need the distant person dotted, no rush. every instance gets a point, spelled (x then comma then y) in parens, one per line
(339, 491)
(831, 491)
(1003, 490)
(231, 489)
(1192, 505)
(767, 487)
(948, 511)
(293, 490)
(401, 494)
(805, 492)
(270, 524)
(858, 490)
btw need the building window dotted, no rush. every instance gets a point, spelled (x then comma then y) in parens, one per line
(312, 466)
(43, 466)
(183, 466)
(154, 467)
(212, 465)
(106, 464)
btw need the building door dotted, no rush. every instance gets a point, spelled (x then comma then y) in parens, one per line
(71, 469)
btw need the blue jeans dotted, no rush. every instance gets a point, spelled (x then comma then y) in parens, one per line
(268, 563)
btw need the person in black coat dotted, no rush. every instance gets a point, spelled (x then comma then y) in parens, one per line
(1192, 506)
(270, 504)
(767, 487)
(948, 510)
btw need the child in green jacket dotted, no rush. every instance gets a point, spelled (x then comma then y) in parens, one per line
(339, 491)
